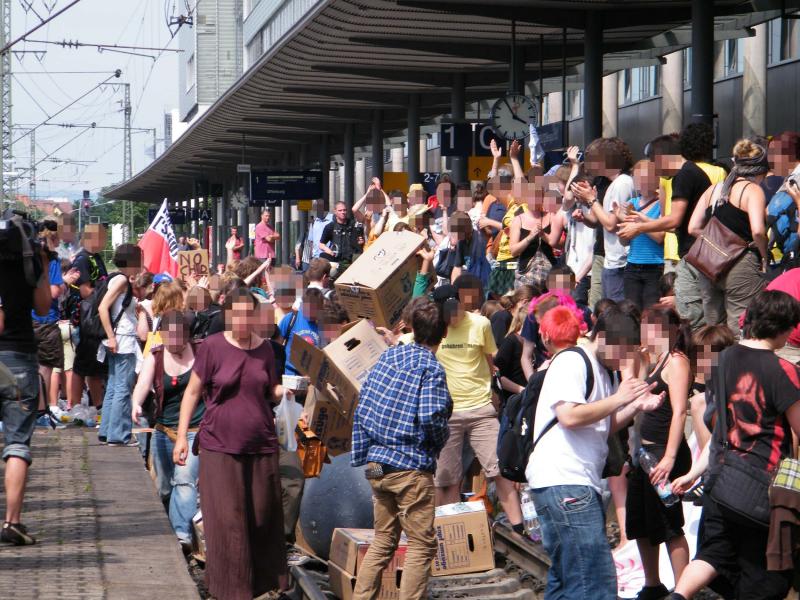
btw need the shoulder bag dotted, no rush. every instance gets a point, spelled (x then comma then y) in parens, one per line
(732, 481)
(717, 248)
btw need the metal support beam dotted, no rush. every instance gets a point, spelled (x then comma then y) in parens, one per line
(348, 154)
(413, 139)
(220, 227)
(377, 143)
(702, 61)
(325, 168)
(458, 164)
(593, 79)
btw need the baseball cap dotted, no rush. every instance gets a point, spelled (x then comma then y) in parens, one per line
(162, 278)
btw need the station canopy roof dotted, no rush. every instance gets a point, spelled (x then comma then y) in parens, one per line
(346, 58)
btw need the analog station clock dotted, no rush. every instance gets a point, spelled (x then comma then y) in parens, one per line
(511, 116)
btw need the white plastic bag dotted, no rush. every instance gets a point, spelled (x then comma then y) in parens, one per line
(287, 413)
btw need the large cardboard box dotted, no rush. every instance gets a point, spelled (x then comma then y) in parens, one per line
(379, 284)
(328, 423)
(338, 370)
(464, 539)
(348, 549)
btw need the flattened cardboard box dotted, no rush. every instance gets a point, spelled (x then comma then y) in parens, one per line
(338, 370)
(463, 538)
(379, 284)
(349, 546)
(327, 422)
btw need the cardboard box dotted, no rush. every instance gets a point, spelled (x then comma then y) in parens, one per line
(464, 539)
(349, 547)
(338, 370)
(328, 423)
(343, 583)
(379, 284)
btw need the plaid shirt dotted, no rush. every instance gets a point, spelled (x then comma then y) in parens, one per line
(402, 413)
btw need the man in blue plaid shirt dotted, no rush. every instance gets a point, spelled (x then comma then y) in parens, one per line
(399, 428)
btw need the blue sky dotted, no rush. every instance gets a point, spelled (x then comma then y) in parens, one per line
(36, 95)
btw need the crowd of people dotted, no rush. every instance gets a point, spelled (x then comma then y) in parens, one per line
(602, 285)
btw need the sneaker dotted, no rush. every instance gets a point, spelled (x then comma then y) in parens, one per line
(294, 558)
(656, 592)
(17, 534)
(132, 444)
(103, 441)
(60, 415)
(44, 421)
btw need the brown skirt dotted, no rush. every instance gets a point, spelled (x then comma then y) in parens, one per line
(240, 496)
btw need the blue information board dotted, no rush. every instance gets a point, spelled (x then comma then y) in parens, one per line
(273, 187)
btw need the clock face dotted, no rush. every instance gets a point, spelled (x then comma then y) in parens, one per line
(512, 115)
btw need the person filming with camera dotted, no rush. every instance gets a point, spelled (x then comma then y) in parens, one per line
(24, 287)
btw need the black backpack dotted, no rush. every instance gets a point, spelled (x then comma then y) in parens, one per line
(91, 326)
(202, 323)
(515, 441)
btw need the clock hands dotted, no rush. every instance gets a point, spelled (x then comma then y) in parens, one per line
(513, 113)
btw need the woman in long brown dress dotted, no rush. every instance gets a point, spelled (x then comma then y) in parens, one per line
(240, 491)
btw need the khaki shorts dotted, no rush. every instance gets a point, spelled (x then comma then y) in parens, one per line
(69, 349)
(479, 428)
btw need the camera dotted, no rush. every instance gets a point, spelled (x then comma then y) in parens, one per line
(19, 240)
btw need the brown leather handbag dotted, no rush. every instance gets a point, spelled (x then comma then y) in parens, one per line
(717, 248)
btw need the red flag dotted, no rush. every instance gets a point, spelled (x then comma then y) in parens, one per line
(159, 246)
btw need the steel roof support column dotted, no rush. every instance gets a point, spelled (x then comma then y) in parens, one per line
(702, 61)
(593, 78)
(672, 93)
(413, 139)
(377, 143)
(754, 83)
(325, 170)
(458, 164)
(349, 165)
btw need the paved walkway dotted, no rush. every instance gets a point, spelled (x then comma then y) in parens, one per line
(102, 531)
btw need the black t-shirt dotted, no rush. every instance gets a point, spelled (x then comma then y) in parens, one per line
(760, 388)
(508, 360)
(500, 321)
(17, 296)
(341, 238)
(601, 183)
(687, 186)
(90, 266)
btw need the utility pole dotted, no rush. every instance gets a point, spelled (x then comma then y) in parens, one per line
(32, 181)
(6, 155)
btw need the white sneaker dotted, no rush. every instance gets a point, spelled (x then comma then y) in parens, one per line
(61, 415)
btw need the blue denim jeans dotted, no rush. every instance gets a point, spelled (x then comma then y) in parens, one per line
(574, 536)
(614, 284)
(116, 424)
(18, 404)
(177, 486)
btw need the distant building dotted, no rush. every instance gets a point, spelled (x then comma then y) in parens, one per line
(211, 60)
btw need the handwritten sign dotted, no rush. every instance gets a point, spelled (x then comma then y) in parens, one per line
(192, 262)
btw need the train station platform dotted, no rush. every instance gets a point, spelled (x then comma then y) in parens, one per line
(102, 531)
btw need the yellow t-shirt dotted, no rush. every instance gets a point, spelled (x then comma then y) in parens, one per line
(463, 355)
(715, 174)
(504, 251)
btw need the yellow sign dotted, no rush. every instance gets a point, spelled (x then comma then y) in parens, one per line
(395, 181)
(304, 205)
(478, 167)
(192, 262)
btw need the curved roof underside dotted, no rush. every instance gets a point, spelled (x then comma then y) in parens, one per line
(346, 58)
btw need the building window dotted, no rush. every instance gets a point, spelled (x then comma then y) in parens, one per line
(574, 104)
(789, 33)
(687, 67)
(637, 84)
(733, 57)
(191, 74)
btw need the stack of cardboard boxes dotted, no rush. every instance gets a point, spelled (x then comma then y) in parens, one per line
(464, 545)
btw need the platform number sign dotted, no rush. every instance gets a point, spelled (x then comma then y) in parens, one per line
(456, 139)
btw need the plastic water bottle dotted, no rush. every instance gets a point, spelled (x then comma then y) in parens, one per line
(529, 515)
(664, 489)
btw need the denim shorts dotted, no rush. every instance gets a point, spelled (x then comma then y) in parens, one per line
(18, 404)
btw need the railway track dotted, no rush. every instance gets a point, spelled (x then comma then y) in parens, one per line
(520, 575)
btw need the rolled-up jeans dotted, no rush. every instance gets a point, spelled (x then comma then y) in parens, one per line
(574, 536)
(18, 404)
(176, 485)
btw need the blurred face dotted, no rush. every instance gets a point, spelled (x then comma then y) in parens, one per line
(559, 281)
(667, 165)
(464, 200)
(656, 337)
(175, 337)
(240, 319)
(416, 197)
(707, 359)
(67, 232)
(375, 200)
(312, 311)
(95, 240)
(781, 157)
(265, 320)
(645, 178)
(470, 299)
(613, 355)
(444, 194)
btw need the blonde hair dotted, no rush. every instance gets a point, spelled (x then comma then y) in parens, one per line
(168, 296)
(746, 149)
(518, 320)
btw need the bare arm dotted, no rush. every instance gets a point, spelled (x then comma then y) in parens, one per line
(144, 383)
(515, 244)
(679, 373)
(42, 297)
(104, 310)
(573, 416)
(556, 228)
(527, 358)
(756, 211)
(191, 396)
(698, 219)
